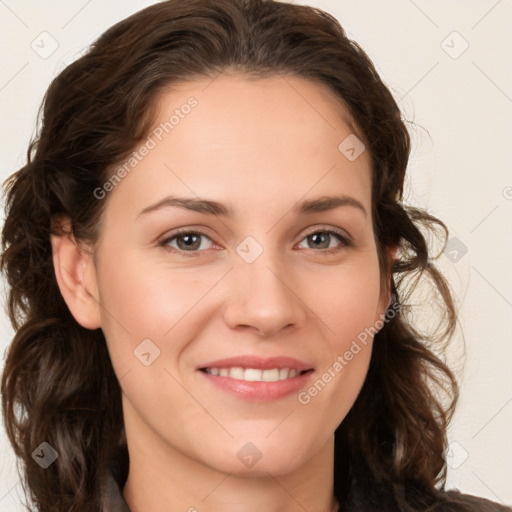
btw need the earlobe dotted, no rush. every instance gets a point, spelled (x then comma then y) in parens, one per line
(76, 277)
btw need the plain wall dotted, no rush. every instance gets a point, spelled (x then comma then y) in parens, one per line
(460, 101)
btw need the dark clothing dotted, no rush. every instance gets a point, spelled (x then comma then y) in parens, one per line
(364, 496)
(116, 479)
(115, 501)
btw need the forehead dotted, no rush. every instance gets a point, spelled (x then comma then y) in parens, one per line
(275, 138)
(240, 108)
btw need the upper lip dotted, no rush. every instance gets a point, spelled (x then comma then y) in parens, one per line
(261, 363)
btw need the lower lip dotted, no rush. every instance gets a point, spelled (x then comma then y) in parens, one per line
(262, 391)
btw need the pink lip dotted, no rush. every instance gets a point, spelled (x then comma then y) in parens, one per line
(259, 391)
(261, 363)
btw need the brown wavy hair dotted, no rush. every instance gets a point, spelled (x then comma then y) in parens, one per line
(58, 384)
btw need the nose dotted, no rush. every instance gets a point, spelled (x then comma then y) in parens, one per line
(264, 297)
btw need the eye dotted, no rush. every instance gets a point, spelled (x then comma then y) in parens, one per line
(321, 239)
(187, 241)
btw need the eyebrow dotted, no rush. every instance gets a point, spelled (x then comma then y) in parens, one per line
(206, 206)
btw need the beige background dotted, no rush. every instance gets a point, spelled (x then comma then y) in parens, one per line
(461, 102)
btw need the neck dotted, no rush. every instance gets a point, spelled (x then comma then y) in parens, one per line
(161, 478)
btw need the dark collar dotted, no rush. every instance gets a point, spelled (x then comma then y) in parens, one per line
(116, 479)
(115, 501)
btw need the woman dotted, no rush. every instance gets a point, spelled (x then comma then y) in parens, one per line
(181, 343)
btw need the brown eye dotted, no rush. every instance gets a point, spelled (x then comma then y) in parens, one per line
(323, 239)
(186, 241)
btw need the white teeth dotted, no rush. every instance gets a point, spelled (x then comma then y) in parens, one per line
(270, 375)
(237, 373)
(254, 374)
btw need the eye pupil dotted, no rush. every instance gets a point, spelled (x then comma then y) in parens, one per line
(318, 236)
(192, 241)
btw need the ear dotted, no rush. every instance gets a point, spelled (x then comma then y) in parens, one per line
(76, 275)
(386, 292)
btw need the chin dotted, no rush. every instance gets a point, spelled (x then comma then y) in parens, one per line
(252, 460)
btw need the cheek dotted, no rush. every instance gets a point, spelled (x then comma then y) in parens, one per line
(141, 301)
(349, 311)
(147, 300)
(349, 302)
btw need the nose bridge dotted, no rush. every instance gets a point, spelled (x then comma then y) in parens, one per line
(262, 292)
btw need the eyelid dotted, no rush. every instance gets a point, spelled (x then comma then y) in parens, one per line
(326, 228)
(166, 239)
(344, 237)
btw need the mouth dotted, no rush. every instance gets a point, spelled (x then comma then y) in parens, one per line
(255, 374)
(258, 379)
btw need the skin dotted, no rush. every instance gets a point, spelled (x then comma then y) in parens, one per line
(259, 146)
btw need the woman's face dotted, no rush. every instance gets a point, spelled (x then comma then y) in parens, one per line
(254, 283)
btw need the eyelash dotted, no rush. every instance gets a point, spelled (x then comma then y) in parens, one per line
(345, 242)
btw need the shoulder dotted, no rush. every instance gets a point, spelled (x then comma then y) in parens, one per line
(367, 494)
(475, 503)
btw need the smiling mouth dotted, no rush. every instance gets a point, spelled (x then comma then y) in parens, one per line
(255, 374)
